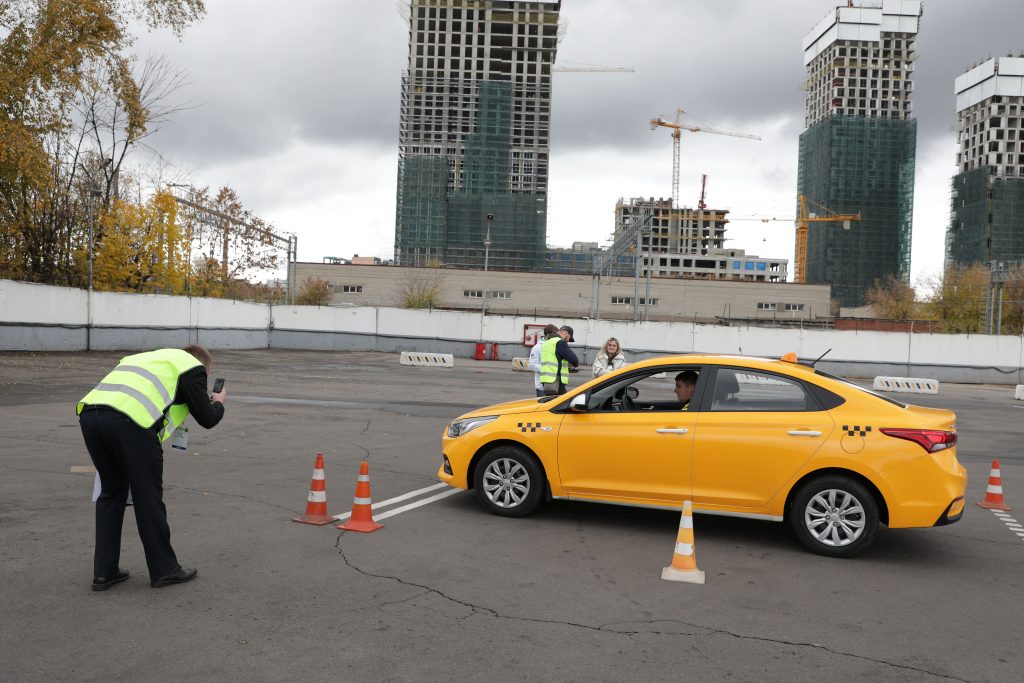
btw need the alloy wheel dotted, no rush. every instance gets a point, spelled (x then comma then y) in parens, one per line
(834, 517)
(506, 483)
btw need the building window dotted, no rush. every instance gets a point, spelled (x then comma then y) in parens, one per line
(622, 300)
(761, 306)
(761, 265)
(473, 293)
(501, 295)
(352, 289)
(794, 307)
(735, 265)
(648, 302)
(749, 265)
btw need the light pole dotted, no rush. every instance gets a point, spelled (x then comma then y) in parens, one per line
(94, 193)
(487, 255)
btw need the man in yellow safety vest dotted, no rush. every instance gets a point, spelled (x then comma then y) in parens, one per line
(555, 360)
(125, 419)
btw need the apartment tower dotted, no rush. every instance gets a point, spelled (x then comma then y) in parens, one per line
(473, 137)
(857, 149)
(987, 212)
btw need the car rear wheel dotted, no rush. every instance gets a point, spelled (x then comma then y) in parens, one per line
(835, 516)
(509, 482)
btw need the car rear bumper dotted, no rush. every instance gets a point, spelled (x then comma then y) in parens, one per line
(953, 512)
(925, 491)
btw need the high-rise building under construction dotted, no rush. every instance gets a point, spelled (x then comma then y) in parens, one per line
(987, 207)
(857, 152)
(473, 139)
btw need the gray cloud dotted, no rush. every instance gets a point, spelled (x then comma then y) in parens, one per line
(299, 109)
(330, 72)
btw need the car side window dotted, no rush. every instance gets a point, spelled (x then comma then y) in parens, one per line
(738, 390)
(654, 390)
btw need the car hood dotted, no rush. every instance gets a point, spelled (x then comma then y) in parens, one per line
(526, 405)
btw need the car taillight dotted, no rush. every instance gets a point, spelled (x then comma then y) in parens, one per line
(931, 440)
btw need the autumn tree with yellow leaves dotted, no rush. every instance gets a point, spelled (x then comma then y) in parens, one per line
(142, 248)
(62, 62)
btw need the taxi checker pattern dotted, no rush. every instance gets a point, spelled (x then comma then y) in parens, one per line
(856, 429)
(528, 426)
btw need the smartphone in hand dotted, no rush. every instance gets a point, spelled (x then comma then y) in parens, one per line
(218, 385)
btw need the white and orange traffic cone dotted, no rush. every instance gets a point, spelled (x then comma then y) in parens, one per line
(994, 492)
(684, 559)
(316, 503)
(362, 515)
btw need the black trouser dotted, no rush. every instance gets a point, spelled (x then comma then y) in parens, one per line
(125, 454)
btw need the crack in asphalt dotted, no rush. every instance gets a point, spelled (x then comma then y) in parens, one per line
(229, 495)
(608, 628)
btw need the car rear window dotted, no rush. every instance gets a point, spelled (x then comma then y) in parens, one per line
(860, 388)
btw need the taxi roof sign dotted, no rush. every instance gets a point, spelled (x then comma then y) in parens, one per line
(789, 357)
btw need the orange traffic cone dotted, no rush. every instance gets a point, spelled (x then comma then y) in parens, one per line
(362, 515)
(316, 504)
(684, 559)
(994, 492)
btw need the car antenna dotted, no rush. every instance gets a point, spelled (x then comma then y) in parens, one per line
(820, 357)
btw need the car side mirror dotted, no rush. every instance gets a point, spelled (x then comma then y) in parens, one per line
(578, 404)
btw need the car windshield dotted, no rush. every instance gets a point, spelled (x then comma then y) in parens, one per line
(860, 388)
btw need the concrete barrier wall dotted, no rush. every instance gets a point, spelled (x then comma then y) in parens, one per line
(44, 318)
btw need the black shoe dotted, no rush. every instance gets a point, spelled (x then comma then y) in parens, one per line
(179, 575)
(102, 583)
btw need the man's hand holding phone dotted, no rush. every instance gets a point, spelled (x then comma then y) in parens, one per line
(219, 392)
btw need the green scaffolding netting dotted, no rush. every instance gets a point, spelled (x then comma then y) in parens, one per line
(444, 199)
(853, 164)
(986, 218)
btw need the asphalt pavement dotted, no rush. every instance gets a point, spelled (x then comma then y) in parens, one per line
(444, 590)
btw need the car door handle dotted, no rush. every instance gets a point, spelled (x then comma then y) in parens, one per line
(666, 430)
(803, 432)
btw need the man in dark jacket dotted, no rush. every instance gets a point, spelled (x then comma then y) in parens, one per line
(555, 359)
(125, 419)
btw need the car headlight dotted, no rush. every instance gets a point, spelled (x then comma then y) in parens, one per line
(460, 427)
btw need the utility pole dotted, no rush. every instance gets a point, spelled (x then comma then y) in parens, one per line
(224, 257)
(94, 194)
(487, 255)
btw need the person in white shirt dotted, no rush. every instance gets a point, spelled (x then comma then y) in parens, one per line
(535, 363)
(609, 359)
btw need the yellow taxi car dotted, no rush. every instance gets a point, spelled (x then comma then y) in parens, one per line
(767, 439)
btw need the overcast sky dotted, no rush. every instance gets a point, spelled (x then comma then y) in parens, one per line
(297, 110)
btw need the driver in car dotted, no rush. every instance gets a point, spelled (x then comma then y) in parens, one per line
(686, 382)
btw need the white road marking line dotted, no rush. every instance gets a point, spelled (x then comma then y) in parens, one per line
(82, 469)
(1010, 523)
(410, 506)
(396, 499)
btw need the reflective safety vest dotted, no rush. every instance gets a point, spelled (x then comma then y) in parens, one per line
(143, 387)
(549, 370)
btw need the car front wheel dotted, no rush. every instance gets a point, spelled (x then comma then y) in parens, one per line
(509, 482)
(835, 516)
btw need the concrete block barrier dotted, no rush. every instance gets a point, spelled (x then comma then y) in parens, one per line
(439, 360)
(1018, 393)
(521, 364)
(906, 385)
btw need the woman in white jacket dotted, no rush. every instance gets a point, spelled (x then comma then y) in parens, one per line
(609, 359)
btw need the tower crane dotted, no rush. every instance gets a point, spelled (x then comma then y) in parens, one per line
(803, 219)
(594, 69)
(583, 67)
(677, 129)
